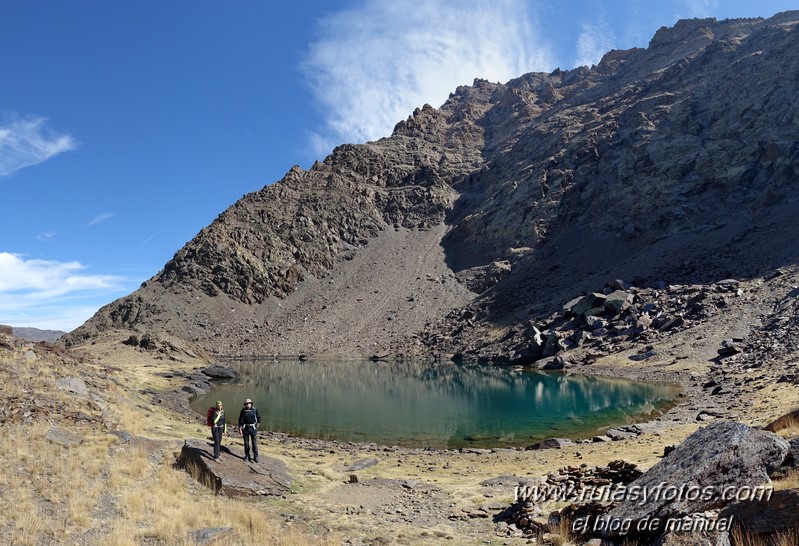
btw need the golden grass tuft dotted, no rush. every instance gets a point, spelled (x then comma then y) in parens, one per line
(564, 533)
(26, 519)
(790, 481)
(786, 426)
(744, 537)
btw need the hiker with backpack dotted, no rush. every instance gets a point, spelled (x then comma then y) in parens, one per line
(216, 420)
(249, 419)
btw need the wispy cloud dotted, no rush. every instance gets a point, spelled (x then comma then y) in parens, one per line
(45, 292)
(374, 63)
(26, 142)
(45, 236)
(701, 8)
(595, 39)
(100, 218)
(147, 240)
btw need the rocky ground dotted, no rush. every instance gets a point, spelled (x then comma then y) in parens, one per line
(372, 494)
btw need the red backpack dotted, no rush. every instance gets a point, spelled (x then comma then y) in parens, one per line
(209, 417)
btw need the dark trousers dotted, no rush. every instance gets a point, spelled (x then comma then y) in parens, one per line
(216, 432)
(250, 434)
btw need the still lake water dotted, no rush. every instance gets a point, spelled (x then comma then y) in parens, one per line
(440, 405)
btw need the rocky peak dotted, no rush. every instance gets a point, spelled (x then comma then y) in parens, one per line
(679, 145)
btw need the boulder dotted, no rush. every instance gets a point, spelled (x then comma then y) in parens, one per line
(595, 322)
(617, 301)
(567, 308)
(75, 385)
(728, 348)
(64, 437)
(589, 301)
(553, 345)
(214, 535)
(220, 372)
(671, 323)
(194, 390)
(617, 434)
(231, 476)
(550, 364)
(551, 443)
(722, 455)
(496, 271)
(361, 464)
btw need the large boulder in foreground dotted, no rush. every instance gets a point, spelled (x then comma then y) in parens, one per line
(231, 476)
(721, 458)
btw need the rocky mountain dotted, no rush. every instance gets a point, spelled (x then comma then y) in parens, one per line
(678, 164)
(36, 334)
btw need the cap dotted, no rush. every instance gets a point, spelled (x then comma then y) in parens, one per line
(248, 401)
(218, 402)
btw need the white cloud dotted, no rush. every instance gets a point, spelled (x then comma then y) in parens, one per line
(595, 39)
(52, 317)
(26, 142)
(42, 293)
(147, 240)
(701, 8)
(374, 63)
(45, 235)
(100, 218)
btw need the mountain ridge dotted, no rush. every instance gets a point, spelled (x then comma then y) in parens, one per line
(655, 163)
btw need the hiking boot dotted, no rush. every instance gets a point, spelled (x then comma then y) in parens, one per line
(255, 459)
(217, 460)
(246, 459)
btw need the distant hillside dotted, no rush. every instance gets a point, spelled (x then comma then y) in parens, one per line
(35, 334)
(678, 162)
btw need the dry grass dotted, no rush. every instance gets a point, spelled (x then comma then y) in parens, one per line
(791, 481)
(103, 491)
(564, 533)
(787, 424)
(791, 429)
(125, 412)
(153, 502)
(742, 537)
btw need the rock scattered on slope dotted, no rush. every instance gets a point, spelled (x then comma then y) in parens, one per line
(64, 437)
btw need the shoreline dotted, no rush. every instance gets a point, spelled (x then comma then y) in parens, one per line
(180, 399)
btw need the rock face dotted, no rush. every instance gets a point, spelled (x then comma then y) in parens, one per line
(232, 476)
(719, 458)
(656, 163)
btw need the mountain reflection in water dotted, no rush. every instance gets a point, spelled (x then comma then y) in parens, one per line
(431, 405)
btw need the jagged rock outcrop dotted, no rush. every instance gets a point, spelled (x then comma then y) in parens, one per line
(677, 161)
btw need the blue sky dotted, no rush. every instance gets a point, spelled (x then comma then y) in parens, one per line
(125, 127)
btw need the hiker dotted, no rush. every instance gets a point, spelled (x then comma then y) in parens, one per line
(249, 419)
(218, 427)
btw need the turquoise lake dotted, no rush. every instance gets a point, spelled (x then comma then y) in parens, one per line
(441, 405)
